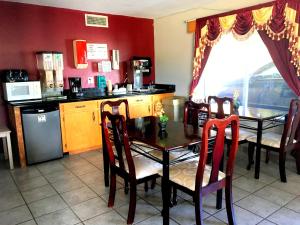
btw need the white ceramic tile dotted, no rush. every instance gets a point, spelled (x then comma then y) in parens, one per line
(285, 216)
(258, 206)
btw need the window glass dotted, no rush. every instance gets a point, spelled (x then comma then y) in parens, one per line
(244, 69)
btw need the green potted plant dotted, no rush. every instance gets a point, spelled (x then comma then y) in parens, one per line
(163, 119)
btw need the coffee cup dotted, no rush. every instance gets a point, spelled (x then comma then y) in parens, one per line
(129, 88)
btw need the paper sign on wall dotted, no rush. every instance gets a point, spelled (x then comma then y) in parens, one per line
(104, 66)
(97, 51)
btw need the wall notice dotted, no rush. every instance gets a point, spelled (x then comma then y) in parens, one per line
(97, 51)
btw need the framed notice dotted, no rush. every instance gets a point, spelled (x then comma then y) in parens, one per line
(106, 66)
(97, 51)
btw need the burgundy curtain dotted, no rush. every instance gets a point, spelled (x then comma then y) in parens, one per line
(279, 49)
(203, 63)
(281, 57)
(278, 46)
(214, 28)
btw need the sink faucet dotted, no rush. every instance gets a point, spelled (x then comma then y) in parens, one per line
(151, 83)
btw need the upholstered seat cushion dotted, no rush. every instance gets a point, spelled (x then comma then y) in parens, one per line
(243, 134)
(184, 174)
(269, 139)
(143, 167)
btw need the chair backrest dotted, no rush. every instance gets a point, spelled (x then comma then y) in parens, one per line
(196, 113)
(291, 126)
(220, 104)
(117, 126)
(114, 107)
(217, 146)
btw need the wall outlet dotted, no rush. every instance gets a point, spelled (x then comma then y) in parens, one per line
(90, 80)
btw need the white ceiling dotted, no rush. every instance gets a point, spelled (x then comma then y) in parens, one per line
(147, 8)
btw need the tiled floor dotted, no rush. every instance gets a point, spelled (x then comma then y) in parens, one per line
(71, 191)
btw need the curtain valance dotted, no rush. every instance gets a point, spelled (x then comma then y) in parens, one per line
(280, 21)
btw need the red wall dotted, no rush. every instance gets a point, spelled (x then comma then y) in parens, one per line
(26, 29)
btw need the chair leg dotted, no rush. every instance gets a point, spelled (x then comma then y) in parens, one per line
(251, 147)
(199, 209)
(229, 202)
(112, 189)
(132, 203)
(267, 156)
(282, 156)
(126, 188)
(297, 156)
(146, 188)
(153, 183)
(174, 200)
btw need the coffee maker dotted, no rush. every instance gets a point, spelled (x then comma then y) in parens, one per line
(75, 87)
(137, 69)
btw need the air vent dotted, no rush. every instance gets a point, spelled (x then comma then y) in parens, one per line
(92, 20)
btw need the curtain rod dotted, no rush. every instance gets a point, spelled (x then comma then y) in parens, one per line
(190, 20)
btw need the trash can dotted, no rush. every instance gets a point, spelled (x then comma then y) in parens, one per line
(174, 107)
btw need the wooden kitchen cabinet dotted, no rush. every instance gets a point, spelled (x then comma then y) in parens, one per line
(80, 125)
(80, 121)
(158, 98)
(140, 106)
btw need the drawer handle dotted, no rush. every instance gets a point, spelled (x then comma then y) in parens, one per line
(93, 116)
(79, 106)
(139, 100)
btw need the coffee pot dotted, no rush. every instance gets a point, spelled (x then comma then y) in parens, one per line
(75, 86)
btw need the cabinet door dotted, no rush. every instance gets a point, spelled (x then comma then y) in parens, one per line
(81, 127)
(158, 98)
(140, 106)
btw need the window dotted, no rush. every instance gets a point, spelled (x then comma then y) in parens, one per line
(246, 68)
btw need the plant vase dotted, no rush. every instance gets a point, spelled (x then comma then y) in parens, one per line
(162, 126)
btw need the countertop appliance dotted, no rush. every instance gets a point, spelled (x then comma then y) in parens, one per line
(138, 68)
(14, 75)
(50, 66)
(75, 87)
(42, 133)
(22, 90)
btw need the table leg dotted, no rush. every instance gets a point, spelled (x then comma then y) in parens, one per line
(165, 188)
(105, 162)
(258, 148)
(9, 152)
(5, 148)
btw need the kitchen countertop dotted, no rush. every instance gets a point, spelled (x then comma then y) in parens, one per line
(93, 95)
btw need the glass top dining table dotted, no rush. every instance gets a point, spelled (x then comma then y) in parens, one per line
(176, 137)
(258, 120)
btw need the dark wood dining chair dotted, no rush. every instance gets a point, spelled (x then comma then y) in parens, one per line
(116, 108)
(196, 113)
(198, 179)
(220, 102)
(280, 143)
(135, 170)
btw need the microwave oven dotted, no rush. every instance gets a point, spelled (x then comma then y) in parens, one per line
(22, 90)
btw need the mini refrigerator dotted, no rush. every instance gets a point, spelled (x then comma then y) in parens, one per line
(42, 134)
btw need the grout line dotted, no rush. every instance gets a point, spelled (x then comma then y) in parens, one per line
(23, 199)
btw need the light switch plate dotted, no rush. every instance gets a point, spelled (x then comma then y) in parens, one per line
(90, 80)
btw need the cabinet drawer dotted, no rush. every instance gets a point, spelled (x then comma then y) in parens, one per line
(140, 106)
(79, 106)
(139, 100)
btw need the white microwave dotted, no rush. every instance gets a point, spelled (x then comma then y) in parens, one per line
(22, 90)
